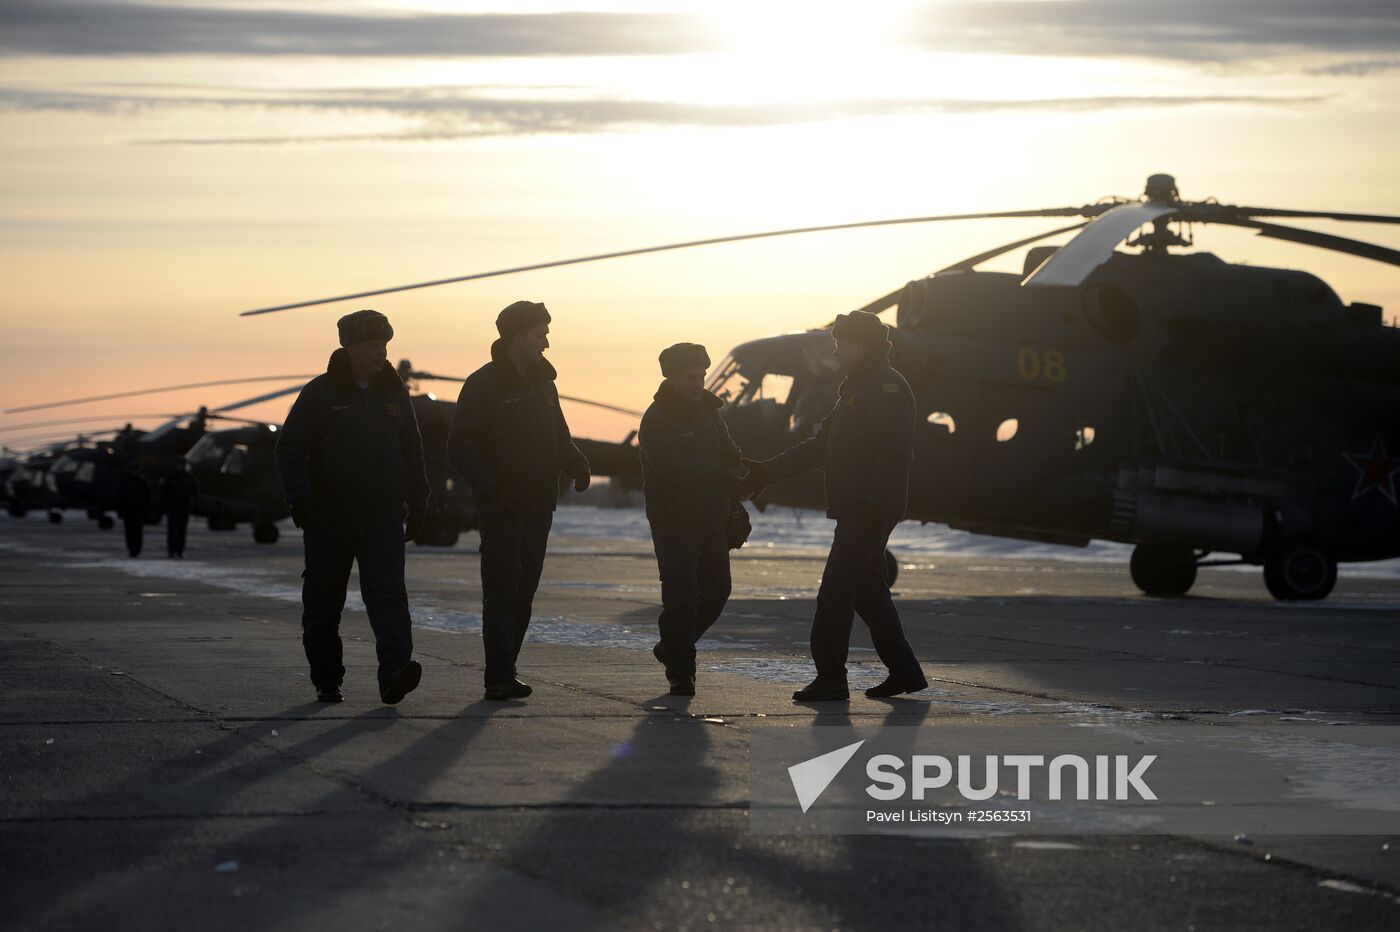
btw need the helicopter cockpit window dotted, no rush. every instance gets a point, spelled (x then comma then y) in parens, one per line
(1007, 429)
(208, 451)
(774, 387)
(239, 459)
(86, 472)
(735, 386)
(944, 420)
(726, 380)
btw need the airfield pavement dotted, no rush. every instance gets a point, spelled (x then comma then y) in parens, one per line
(163, 764)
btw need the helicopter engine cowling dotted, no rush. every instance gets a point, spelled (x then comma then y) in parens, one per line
(1163, 518)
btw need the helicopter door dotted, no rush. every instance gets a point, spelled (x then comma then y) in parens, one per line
(941, 481)
(1008, 444)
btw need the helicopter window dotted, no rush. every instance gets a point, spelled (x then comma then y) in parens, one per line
(207, 451)
(944, 420)
(774, 387)
(238, 460)
(85, 472)
(1007, 429)
(1083, 437)
(725, 382)
(1112, 312)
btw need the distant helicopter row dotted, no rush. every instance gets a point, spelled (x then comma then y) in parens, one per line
(1176, 402)
(234, 466)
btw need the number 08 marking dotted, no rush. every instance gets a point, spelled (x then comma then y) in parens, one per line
(1032, 365)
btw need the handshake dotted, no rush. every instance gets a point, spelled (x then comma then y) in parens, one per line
(745, 480)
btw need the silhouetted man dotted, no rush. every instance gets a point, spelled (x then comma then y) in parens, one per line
(690, 470)
(178, 494)
(133, 506)
(351, 461)
(866, 444)
(510, 441)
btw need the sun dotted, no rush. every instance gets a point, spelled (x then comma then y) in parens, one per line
(798, 51)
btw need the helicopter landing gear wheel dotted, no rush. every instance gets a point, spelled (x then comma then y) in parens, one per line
(55, 517)
(1299, 572)
(105, 522)
(891, 568)
(265, 532)
(1159, 570)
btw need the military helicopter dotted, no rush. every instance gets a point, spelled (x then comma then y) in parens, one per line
(1176, 402)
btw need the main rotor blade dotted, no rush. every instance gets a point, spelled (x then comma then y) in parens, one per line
(1320, 240)
(153, 391)
(259, 399)
(432, 377)
(30, 445)
(1087, 210)
(1320, 214)
(1076, 260)
(599, 404)
(241, 420)
(973, 261)
(85, 420)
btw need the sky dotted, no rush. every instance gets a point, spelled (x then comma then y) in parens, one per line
(165, 165)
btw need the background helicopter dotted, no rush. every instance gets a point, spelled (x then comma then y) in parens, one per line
(1175, 402)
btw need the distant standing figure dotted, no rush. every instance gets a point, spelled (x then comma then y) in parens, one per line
(133, 505)
(690, 473)
(178, 495)
(866, 444)
(510, 441)
(351, 460)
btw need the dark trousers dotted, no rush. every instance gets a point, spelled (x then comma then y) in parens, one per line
(512, 558)
(135, 529)
(176, 523)
(695, 586)
(854, 583)
(334, 542)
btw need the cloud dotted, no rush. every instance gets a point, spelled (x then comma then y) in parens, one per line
(464, 112)
(86, 27)
(1192, 31)
(1208, 31)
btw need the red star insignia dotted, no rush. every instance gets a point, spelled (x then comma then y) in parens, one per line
(1375, 470)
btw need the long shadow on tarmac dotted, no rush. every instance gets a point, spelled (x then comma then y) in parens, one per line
(693, 861)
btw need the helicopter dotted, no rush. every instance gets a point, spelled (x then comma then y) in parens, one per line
(1169, 400)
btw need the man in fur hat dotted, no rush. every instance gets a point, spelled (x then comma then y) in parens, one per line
(351, 461)
(510, 441)
(866, 444)
(690, 471)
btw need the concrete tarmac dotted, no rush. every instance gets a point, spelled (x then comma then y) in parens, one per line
(164, 765)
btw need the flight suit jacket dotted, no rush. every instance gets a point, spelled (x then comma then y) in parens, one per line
(866, 444)
(345, 447)
(509, 436)
(682, 442)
